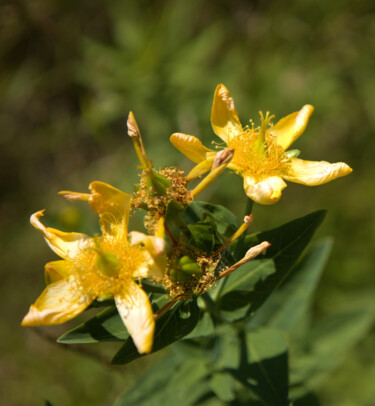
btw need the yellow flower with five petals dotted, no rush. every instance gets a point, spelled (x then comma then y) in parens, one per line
(260, 155)
(101, 267)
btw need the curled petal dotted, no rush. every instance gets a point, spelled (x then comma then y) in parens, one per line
(136, 313)
(112, 206)
(61, 301)
(224, 117)
(289, 128)
(190, 146)
(56, 270)
(66, 245)
(313, 173)
(267, 191)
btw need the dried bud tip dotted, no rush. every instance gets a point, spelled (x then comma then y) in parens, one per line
(133, 130)
(257, 250)
(248, 219)
(223, 157)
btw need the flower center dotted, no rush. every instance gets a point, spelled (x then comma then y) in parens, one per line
(108, 268)
(257, 153)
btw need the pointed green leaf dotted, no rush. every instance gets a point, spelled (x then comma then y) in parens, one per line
(204, 327)
(226, 221)
(327, 342)
(105, 326)
(264, 366)
(172, 326)
(289, 304)
(204, 235)
(250, 285)
(169, 384)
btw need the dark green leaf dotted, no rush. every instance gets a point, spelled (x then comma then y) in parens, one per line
(172, 326)
(289, 304)
(226, 221)
(152, 381)
(105, 326)
(204, 327)
(252, 284)
(169, 384)
(204, 236)
(327, 342)
(264, 366)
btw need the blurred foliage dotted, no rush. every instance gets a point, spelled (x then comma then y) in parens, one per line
(71, 71)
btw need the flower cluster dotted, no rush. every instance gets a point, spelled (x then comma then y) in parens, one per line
(114, 264)
(260, 154)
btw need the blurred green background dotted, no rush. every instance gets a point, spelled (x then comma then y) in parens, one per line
(69, 74)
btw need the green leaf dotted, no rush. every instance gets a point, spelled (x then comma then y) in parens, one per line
(226, 221)
(169, 384)
(222, 385)
(286, 308)
(264, 366)
(248, 287)
(172, 326)
(327, 343)
(204, 225)
(204, 235)
(151, 382)
(105, 326)
(204, 327)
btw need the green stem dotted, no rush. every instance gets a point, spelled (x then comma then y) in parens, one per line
(249, 206)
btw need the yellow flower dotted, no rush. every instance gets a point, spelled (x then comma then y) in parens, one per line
(100, 267)
(260, 155)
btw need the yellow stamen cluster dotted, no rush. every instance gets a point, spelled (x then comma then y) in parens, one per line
(156, 205)
(92, 280)
(257, 152)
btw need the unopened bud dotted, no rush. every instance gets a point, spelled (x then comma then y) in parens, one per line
(257, 250)
(135, 135)
(223, 158)
(133, 130)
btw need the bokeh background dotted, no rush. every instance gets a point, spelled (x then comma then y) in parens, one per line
(69, 74)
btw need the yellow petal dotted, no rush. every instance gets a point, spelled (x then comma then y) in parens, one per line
(156, 261)
(66, 245)
(313, 173)
(61, 301)
(289, 128)
(112, 206)
(56, 270)
(200, 169)
(224, 117)
(136, 312)
(190, 146)
(267, 191)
